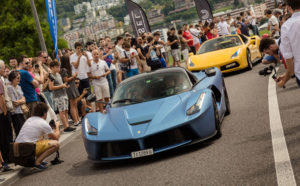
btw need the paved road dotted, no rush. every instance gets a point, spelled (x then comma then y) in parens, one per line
(243, 156)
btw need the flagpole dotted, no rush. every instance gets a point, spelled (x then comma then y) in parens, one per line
(38, 26)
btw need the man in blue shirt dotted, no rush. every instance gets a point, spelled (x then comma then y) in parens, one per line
(27, 83)
(244, 27)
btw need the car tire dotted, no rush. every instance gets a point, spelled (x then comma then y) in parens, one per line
(227, 103)
(217, 120)
(249, 62)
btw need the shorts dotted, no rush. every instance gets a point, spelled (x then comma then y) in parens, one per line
(41, 147)
(270, 59)
(132, 72)
(61, 103)
(101, 91)
(176, 54)
(185, 54)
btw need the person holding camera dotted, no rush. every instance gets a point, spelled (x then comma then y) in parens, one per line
(152, 54)
(130, 56)
(173, 42)
(36, 127)
(60, 96)
(98, 72)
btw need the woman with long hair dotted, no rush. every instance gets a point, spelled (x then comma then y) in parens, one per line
(72, 91)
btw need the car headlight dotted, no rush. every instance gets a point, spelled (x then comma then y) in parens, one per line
(197, 106)
(191, 64)
(89, 128)
(236, 53)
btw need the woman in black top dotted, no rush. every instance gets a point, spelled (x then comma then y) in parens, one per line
(72, 91)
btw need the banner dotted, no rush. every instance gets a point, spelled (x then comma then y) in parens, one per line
(52, 20)
(138, 18)
(204, 10)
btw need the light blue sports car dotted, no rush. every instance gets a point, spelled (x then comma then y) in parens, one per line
(155, 112)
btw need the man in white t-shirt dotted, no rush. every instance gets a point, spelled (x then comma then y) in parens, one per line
(90, 46)
(119, 50)
(35, 128)
(224, 29)
(273, 24)
(195, 33)
(130, 56)
(98, 72)
(80, 63)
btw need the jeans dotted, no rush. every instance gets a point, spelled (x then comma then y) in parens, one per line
(113, 74)
(255, 30)
(298, 81)
(132, 72)
(110, 84)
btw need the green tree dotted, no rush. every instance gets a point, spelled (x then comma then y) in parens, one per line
(18, 34)
(118, 12)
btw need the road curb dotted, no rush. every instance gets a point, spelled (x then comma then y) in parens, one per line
(12, 177)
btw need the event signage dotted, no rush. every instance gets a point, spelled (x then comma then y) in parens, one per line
(138, 18)
(52, 20)
(204, 10)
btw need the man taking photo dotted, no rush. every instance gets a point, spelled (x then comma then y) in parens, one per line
(32, 131)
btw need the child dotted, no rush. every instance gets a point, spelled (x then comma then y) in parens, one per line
(60, 96)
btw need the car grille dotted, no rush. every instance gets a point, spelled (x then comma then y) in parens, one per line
(170, 137)
(118, 148)
(230, 66)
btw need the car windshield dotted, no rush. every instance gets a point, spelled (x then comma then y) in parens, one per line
(220, 43)
(151, 87)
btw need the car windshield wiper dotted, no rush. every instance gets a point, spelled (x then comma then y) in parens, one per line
(129, 100)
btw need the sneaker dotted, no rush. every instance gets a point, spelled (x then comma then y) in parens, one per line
(44, 163)
(78, 123)
(69, 129)
(5, 167)
(40, 167)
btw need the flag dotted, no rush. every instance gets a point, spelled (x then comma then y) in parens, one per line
(204, 10)
(138, 18)
(52, 20)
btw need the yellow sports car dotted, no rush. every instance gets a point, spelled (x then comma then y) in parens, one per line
(228, 53)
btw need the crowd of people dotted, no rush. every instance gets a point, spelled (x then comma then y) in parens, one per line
(36, 89)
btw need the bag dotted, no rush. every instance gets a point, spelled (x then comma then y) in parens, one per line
(8, 102)
(126, 66)
(24, 108)
(22, 154)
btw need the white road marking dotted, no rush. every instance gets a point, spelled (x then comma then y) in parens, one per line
(284, 170)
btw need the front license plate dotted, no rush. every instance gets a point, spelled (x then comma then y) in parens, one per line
(142, 153)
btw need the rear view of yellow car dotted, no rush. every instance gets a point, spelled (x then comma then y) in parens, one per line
(228, 53)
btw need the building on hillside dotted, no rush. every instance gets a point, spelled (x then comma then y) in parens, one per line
(260, 10)
(181, 5)
(82, 7)
(66, 24)
(223, 4)
(126, 20)
(104, 4)
(271, 4)
(155, 16)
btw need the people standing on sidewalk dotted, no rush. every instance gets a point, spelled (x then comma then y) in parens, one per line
(60, 96)
(81, 64)
(5, 123)
(98, 72)
(184, 46)
(188, 36)
(290, 43)
(72, 91)
(273, 24)
(18, 100)
(224, 28)
(173, 42)
(27, 83)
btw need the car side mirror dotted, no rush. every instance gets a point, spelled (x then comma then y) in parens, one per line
(191, 54)
(210, 72)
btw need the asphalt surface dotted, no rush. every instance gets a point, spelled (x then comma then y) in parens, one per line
(242, 156)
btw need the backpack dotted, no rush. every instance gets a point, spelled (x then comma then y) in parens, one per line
(22, 154)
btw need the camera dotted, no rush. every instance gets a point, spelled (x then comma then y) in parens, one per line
(266, 71)
(36, 66)
(52, 124)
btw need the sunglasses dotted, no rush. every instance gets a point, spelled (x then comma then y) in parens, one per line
(27, 63)
(76, 83)
(46, 57)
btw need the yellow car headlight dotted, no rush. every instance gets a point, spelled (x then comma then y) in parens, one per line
(190, 63)
(236, 54)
